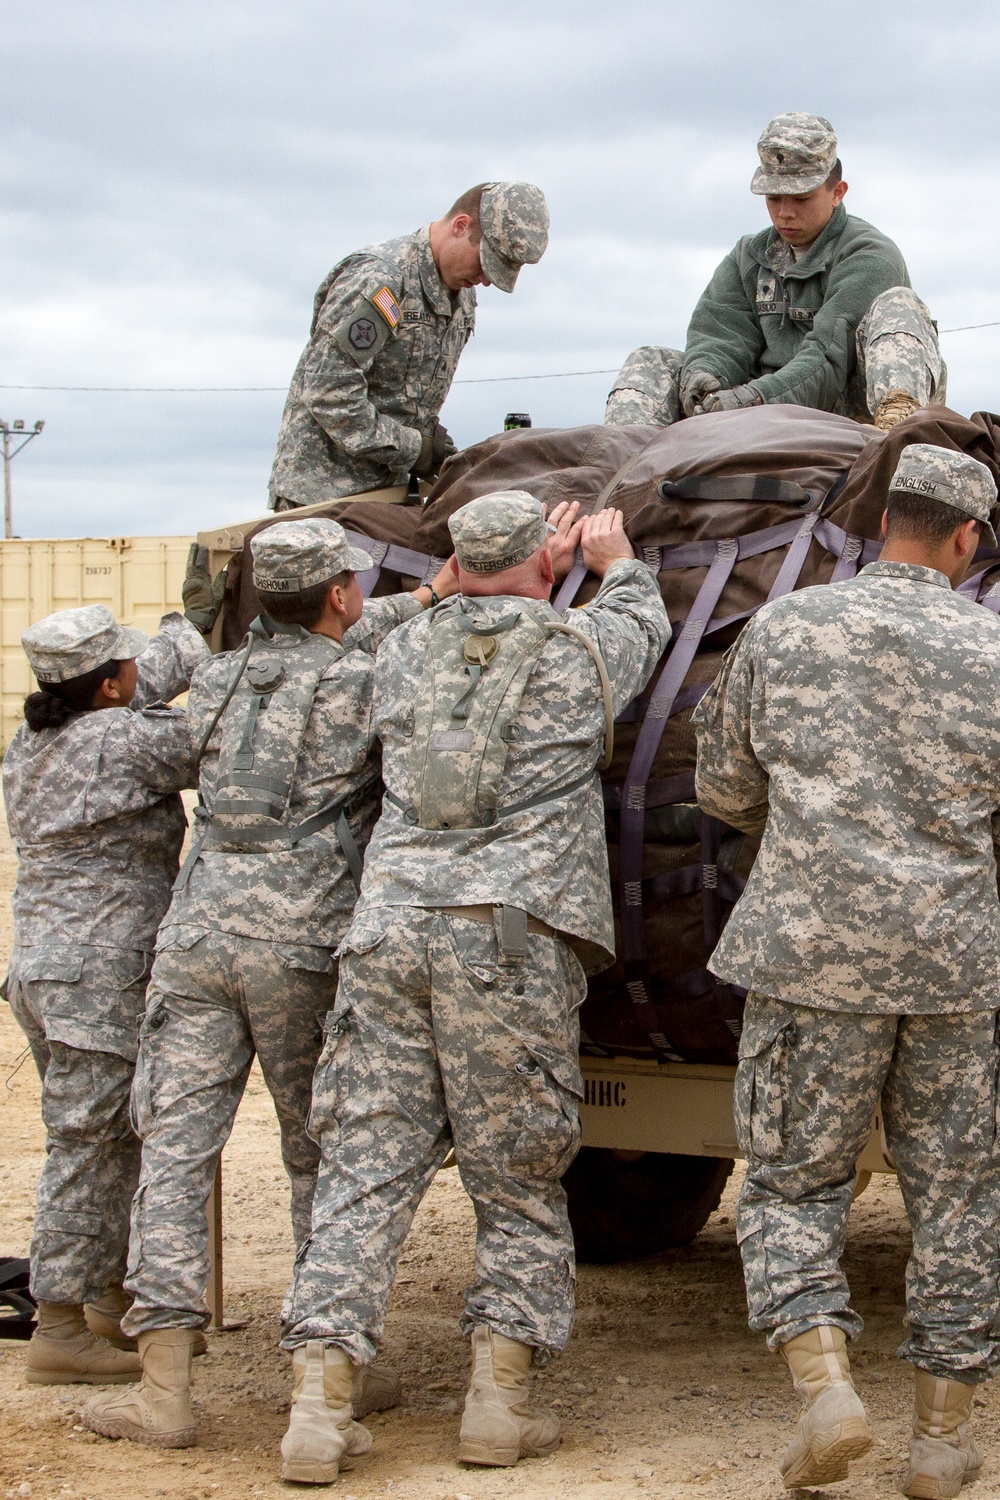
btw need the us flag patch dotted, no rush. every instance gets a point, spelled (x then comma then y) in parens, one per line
(387, 306)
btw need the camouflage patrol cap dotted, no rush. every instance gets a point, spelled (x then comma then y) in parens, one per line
(514, 219)
(73, 642)
(294, 555)
(951, 478)
(797, 154)
(498, 531)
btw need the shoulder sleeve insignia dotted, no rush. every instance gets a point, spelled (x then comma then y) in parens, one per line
(387, 306)
(362, 333)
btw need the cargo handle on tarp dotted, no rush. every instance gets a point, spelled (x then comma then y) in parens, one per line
(734, 487)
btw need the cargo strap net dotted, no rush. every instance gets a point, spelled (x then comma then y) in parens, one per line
(719, 890)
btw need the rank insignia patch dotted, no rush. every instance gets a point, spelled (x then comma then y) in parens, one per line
(387, 306)
(362, 333)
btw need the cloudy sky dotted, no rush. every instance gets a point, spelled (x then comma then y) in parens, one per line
(179, 179)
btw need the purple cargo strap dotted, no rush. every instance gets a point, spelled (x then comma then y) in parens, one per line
(398, 559)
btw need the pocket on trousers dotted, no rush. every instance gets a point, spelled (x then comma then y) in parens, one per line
(141, 1101)
(331, 1078)
(544, 1134)
(761, 1091)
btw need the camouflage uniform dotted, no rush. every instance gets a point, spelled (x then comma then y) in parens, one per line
(94, 811)
(245, 957)
(835, 325)
(854, 725)
(446, 1030)
(384, 344)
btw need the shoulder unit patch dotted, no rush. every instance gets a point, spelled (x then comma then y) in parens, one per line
(387, 306)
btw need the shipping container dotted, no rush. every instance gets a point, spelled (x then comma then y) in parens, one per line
(139, 578)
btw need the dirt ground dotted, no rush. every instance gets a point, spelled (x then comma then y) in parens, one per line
(662, 1392)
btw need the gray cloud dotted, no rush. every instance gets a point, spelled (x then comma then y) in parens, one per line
(178, 180)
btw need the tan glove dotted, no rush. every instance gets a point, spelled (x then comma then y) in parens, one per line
(435, 447)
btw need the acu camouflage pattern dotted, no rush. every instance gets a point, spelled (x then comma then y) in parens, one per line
(797, 154)
(364, 394)
(896, 349)
(73, 642)
(215, 1001)
(263, 728)
(303, 895)
(807, 1086)
(550, 860)
(856, 726)
(82, 1027)
(245, 957)
(290, 556)
(433, 1043)
(466, 703)
(514, 219)
(94, 812)
(497, 531)
(948, 477)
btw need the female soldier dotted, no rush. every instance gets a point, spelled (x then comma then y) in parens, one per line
(91, 782)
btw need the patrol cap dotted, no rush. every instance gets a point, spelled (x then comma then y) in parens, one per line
(498, 531)
(294, 555)
(73, 642)
(797, 154)
(951, 478)
(514, 219)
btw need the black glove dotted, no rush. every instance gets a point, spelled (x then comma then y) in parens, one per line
(739, 396)
(201, 594)
(435, 447)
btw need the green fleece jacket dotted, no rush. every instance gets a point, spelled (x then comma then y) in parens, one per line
(787, 327)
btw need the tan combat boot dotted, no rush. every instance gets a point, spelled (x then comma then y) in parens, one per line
(498, 1425)
(157, 1411)
(943, 1456)
(322, 1436)
(63, 1351)
(833, 1428)
(375, 1388)
(893, 408)
(104, 1317)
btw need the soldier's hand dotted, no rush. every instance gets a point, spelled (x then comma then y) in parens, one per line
(734, 400)
(695, 385)
(435, 447)
(603, 541)
(563, 542)
(202, 595)
(445, 582)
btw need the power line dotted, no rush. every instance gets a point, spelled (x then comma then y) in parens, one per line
(165, 390)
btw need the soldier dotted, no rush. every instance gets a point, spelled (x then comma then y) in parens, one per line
(245, 958)
(856, 726)
(91, 783)
(817, 311)
(389, 325)
(485, 901)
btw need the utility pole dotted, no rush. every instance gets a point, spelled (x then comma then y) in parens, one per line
(15, 430)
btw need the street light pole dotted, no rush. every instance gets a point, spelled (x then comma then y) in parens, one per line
(13, 430)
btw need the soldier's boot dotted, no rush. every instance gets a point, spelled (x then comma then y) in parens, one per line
(156, 1412)
(498, 1425)
(375, 1388)
(63, 1351)
(893, 408)
(322, 1436)
(833, 1429)
(943, 1456)
(104, 1317)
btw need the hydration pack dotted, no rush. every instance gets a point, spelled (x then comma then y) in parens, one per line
(264, 716)
(466, 708)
